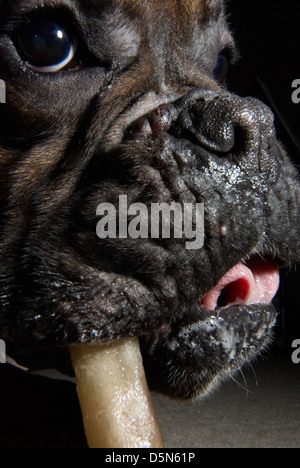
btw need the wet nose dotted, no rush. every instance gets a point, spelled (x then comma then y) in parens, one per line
(225, 123)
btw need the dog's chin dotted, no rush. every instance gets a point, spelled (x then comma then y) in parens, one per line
(205, 348)
(217, 336)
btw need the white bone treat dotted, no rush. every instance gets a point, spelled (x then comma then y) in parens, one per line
(114, 397)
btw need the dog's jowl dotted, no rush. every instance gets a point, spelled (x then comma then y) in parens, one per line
(125, 99)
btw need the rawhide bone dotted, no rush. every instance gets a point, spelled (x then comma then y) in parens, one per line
(115, 401)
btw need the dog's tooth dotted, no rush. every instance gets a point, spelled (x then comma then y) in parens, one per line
(146, 127)
(114, 397)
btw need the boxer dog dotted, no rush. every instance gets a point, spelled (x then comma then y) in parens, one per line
(110, 98)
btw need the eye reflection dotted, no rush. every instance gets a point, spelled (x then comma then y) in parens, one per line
(46, 45)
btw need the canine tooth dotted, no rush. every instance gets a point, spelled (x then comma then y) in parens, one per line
(146, 127)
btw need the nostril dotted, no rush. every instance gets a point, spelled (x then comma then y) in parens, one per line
(206, 125)
(218, 136)
(224, 123)
(241, 140)
(213, 125)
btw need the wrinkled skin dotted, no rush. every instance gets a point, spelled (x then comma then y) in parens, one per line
(74, 139)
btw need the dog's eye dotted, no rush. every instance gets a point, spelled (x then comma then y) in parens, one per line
(46, 45)
(221, 69)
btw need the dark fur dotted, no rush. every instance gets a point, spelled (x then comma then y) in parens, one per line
(68, 142)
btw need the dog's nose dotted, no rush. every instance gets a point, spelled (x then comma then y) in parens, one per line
(225, 123)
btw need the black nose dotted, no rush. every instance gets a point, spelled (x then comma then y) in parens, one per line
(224, 123)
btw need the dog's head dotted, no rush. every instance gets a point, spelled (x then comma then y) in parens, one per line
(124, 98)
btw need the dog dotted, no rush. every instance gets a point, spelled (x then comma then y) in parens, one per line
(127, 98)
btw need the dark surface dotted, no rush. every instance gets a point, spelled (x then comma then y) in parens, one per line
(260, 408)
(37, 412)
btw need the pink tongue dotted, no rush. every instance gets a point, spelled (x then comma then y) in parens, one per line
(255, 283)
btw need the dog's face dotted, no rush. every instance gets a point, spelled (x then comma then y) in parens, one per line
(123, 98)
